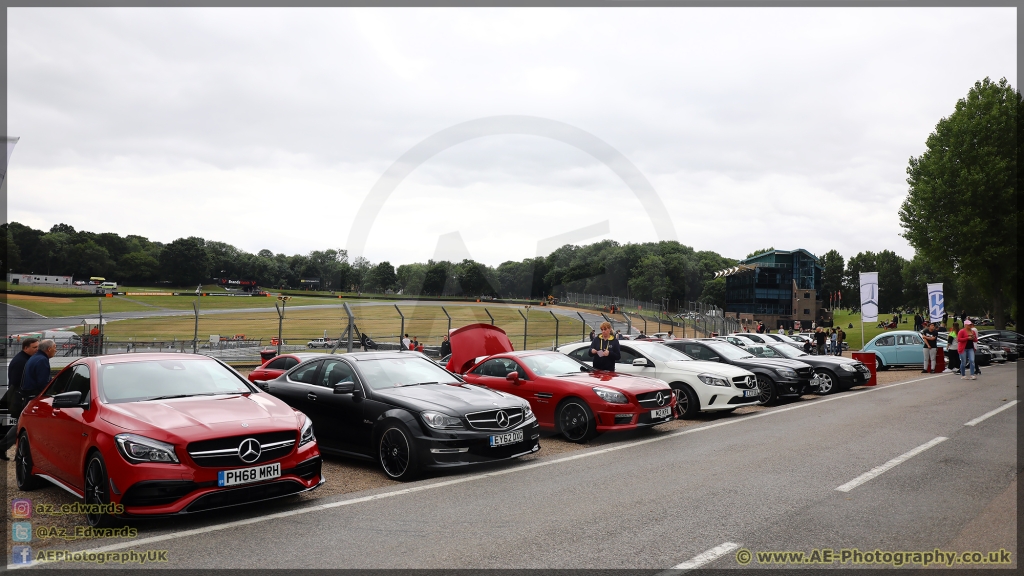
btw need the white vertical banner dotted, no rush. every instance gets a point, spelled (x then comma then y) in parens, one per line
(936, 302)
(869, 296)
(11, 141)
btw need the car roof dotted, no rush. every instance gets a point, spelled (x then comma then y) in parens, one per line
(151, 357)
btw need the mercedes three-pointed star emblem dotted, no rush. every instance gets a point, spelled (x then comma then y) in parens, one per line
(501, 418)
(249, 450)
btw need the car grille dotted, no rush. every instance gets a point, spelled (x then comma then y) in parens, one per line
(650, 399)
(742, 400)
(805, 372)
(863, 369)
(223, 452)
(245, 495)
(747, 382)
(488, 420)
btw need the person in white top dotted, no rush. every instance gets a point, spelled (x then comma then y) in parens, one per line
(406, 342)
(781, 331)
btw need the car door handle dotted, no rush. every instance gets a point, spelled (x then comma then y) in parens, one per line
(311, 396)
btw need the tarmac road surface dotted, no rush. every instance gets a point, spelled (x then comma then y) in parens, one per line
(894, 468)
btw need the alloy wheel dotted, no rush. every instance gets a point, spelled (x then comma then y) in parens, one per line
(825, 383)
(23, 464)
(394, 452)
(682, 402)
(97, 492)
(574, 421)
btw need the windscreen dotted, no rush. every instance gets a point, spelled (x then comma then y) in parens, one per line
(661, 353)
(160, 379)
(728, 350)
(551, 364)
(394, 372)
(790, 352)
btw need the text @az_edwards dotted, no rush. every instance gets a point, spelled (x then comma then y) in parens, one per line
(884, 557)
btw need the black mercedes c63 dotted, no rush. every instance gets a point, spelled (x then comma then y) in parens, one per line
(405, 412)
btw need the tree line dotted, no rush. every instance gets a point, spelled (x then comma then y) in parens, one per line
(649, 271)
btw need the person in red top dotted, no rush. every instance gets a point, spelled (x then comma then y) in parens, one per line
(965, 341)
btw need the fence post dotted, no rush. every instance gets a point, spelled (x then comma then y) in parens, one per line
(556, 327)
(195, 336)
(584, 338)
(489, 316)
(449, 320)
(526, 324)
(401, 333)
(351, 323)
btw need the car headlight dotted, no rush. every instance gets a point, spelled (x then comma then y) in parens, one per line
(139, 449)
(441, 421)
(610, 395)
(982, 348)
(712, 380)
(848, 367)
(786, 372)
(527, 412)
(306, 435)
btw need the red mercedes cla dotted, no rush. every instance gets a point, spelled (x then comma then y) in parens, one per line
(161, 434)
(279, 365)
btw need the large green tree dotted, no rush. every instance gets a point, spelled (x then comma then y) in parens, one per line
(185, 261)
(968, 172)
(832, 275)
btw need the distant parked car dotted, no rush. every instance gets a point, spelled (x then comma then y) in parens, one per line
(899, 348)
(279, 365)
(320, 343)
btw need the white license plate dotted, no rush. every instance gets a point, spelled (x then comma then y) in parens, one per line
(749, 393)
(8, 421)
(660, 413)
(247, 475)
(508, 438)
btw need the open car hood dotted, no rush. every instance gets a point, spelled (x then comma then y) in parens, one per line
(473, 341)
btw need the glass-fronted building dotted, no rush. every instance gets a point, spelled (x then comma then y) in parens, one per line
(776, 288)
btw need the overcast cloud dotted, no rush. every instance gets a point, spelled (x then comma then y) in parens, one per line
(267, 128)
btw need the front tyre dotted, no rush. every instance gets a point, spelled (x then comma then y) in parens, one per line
(766, 387)
(879, 365)
(397, 453)
(576, 422)
(97, 493)
(23, 465)
(687, 404)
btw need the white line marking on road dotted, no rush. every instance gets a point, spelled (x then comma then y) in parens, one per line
(708, 556)
(989, 414)
(889, 465)
(586, 454)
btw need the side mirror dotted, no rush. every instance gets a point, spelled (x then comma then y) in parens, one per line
(345, 388)
(640, 362)
(68, 400)
(512, 377)
(262, 385)
(715, 359)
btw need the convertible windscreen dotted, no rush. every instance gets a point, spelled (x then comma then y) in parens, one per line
(151, 380)
(394, 372)
(551, 364)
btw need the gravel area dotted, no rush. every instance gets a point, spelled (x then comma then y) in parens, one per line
(345, 476)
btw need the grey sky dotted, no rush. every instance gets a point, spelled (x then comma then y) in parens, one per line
(266, 128)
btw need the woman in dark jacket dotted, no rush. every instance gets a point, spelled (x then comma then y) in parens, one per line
(605, 349)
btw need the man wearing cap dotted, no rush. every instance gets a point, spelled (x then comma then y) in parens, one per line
(931, 344)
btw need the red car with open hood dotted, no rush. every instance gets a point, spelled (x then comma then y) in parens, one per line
(162, 434)
(566, 395)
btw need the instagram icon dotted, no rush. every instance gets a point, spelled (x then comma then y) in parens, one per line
(21, 508)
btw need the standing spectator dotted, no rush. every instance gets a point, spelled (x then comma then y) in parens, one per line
(954, 358)
(406, 342)
(841, 337)
(446, 346)
(963, 316)
(592, 334)
(974, 331)
(833, 340)
(16, 400)
(965, 346)
(781, 330)
(415, 344)
(931, 346)
(819, 341)
(605, 349)
(945, 318)
(670, 336)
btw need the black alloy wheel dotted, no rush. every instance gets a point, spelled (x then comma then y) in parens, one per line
(576, 421)
(767, 390)
(827, 381)
(97, 493)
(397, 454)
(23, 465)
(687, 403)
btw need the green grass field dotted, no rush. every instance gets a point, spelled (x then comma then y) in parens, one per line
(61, 306)
(843, 318)
(427, 323)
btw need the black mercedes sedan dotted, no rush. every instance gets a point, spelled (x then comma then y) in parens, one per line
(833, 373)
(405, 412)
(775, 377)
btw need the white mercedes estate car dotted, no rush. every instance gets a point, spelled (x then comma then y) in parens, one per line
(699, 386)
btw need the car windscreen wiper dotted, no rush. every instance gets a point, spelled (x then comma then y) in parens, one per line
(188, 395)
(418, 384)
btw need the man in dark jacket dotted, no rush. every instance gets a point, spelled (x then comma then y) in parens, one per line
(37, 370)
(605, 349)
(16, 402)
(446, 347)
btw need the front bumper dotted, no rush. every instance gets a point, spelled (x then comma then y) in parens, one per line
(613, 417)
(794, 386)
(467, 447)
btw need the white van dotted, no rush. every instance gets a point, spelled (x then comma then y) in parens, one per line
(109, 285)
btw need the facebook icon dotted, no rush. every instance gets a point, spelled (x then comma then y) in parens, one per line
(21, 554)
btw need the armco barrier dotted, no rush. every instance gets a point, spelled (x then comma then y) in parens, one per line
(868, 359)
